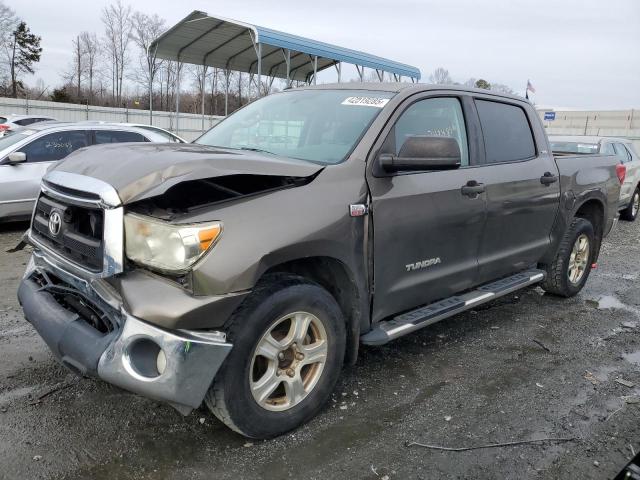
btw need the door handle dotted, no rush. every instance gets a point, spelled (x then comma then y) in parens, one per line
(473, 189)
(548, 178)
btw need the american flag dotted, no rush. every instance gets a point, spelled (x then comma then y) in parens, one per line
(530, 87)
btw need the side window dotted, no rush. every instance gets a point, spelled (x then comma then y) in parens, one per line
(117, 136)
(24, 122)
(607, 149)
(437, 117)
(55, 146)
(622, 153)
(506, 131)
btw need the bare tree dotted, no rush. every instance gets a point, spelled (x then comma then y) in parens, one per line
(145, 29)
(90, 47)
(440, 76)
(117, 23)
(78, 64)
(501, 88)
(471, 83)
(200, 76)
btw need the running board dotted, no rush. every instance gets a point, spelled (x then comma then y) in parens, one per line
(416, 319)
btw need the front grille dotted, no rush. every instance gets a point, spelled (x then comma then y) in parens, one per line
(80, 235)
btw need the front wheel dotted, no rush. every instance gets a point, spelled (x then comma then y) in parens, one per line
(631, 212)
(288, 348)
(571, 267)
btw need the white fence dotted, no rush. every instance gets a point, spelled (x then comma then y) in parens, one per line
(190, 125)
(608, 123)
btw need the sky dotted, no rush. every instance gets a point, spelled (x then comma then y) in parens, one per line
(576, 53)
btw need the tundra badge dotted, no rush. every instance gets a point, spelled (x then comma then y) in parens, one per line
(429, 262)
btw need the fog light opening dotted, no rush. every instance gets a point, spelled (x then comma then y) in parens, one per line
(146, 358)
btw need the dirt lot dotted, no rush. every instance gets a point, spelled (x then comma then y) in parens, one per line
(474, 379)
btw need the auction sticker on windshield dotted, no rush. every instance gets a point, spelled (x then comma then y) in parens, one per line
(366, 101)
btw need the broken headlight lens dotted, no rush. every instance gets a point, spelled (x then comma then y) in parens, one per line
(167, 247)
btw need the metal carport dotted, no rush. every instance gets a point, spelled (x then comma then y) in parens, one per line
(202, 39)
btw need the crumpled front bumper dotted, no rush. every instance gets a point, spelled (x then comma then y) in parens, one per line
(176, 366)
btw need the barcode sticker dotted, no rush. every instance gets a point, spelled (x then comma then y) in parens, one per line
(366, 101)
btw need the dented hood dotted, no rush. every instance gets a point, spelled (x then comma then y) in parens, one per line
(143, 170)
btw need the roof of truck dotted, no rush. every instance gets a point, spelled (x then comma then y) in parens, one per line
(404, 86)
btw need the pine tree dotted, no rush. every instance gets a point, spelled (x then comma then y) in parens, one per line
(25, 51)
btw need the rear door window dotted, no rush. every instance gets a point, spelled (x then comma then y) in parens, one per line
(622, 153)
(117, 136)
(506, 131)
(55, 146)
(607, 149)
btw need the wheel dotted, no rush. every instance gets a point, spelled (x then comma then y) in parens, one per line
(570, 269)
(631, 212)
(288, 348)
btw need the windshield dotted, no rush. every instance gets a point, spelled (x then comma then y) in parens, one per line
(574, 147)
(321, 126)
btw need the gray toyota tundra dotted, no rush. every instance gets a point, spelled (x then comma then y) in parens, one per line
(245, 269)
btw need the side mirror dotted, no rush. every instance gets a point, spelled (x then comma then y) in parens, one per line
(16, 157)
(422, 152)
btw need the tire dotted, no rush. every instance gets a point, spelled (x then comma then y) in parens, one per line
(557, 281)
(231, 398)
(631, 211)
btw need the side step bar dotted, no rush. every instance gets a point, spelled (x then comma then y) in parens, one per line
(414, 320)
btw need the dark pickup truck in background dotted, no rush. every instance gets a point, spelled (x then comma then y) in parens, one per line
(245, 269)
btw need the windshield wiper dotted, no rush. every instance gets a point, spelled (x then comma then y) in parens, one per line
(255, 149)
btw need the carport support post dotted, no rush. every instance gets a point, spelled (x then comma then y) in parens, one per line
(177, 96)
(339, 69)
(204, 77)
(287, 60)
(259, 50)
(227, 74)
(315, 68)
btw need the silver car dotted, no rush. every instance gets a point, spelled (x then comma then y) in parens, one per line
(623, 149)
(12, 122)
(169, 136)
(27, 153)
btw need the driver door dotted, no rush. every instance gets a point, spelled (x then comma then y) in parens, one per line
(426, 230)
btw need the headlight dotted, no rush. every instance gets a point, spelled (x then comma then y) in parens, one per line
(167, 247)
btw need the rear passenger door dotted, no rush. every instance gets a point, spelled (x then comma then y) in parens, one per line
(522, 188)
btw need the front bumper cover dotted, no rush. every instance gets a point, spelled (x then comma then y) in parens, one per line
(192, 358)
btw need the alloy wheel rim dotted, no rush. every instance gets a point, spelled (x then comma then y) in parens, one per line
(288, 361)
(636, 204)
(578, 259)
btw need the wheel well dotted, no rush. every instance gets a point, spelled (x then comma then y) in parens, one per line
(593, 210)
(333, 276)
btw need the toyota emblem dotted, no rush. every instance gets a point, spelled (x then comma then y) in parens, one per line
(55, 222)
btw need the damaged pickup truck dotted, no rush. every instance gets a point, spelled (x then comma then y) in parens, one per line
(245, 269)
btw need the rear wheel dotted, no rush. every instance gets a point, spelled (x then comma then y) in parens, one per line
(570, 269)
(288, 348)
(631, 212)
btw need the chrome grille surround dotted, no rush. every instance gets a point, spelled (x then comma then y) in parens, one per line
(84, 191)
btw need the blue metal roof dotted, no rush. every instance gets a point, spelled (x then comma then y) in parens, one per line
(334, 52)
(202, 39)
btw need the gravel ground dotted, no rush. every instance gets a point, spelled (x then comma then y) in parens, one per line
(476, 378)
